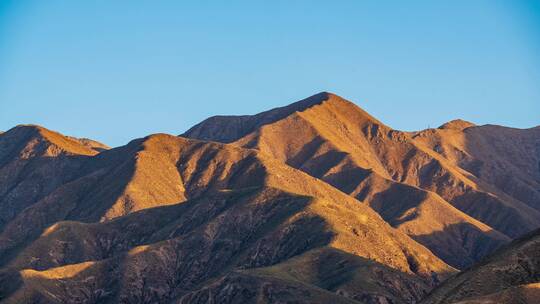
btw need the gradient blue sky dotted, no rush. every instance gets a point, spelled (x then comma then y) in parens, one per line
(117, 70)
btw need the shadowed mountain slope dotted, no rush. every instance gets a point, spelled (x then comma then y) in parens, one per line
(328, 269)
(450, 210)
(511, 275)
(33, 162)
(165, 217)
(506, 158)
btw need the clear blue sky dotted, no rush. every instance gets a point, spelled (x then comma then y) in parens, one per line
(117, 70)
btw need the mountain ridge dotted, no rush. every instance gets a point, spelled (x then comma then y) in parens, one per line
(119, 185)
(313, 202)
(341, 144)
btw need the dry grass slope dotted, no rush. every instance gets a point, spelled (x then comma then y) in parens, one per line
(163, 217)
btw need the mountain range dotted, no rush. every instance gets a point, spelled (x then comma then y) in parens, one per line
(314, 202)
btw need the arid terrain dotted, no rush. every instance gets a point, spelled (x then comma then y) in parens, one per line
(314, 202)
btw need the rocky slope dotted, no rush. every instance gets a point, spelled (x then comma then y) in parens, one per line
(33, 162)
(314, 202)
(409, 178)
(166, 218)
(511, 275)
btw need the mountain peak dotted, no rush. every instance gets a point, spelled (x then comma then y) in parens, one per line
(309, 102)
(26, 133)
(27, 128)
(227, 129)
(306, 103)
(457, 124)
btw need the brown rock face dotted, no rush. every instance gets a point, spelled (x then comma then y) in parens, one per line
(315, 202)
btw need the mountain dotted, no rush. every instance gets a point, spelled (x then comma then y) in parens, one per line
(314, 202)
(511, 275)
(165, 218)
(506, 158)
(414, 184)
(33, 162)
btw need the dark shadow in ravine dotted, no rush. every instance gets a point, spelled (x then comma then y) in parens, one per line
(363, 281)
(490, 210)
(475, 244)
(394, 202)
(10, 281)
(348, 180)
(317, 166)
(510, 265)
